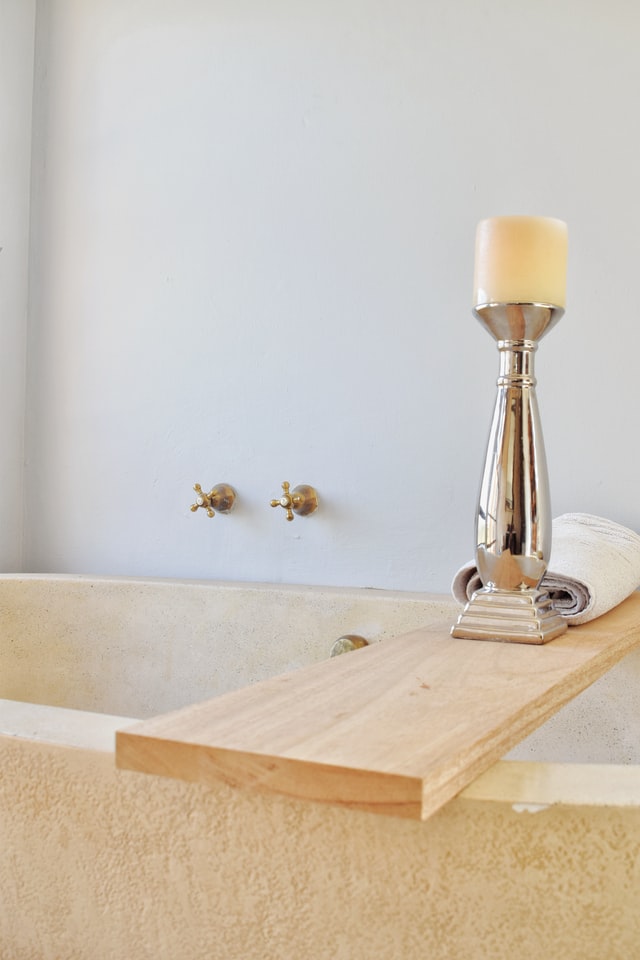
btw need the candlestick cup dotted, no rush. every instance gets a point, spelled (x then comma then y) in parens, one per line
(513, 521)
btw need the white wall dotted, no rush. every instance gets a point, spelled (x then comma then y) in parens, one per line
(253, 236)
(17, 19)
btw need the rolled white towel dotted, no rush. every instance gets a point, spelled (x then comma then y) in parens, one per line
(594, 566)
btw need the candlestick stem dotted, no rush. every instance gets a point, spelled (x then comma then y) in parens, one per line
(513, 520)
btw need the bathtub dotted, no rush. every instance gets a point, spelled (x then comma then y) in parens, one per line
(539, 857)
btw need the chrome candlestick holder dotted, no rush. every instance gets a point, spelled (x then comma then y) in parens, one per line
(513, 523)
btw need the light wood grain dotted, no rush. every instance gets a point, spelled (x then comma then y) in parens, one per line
(396, 728)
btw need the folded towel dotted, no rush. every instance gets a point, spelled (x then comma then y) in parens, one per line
(595, 565)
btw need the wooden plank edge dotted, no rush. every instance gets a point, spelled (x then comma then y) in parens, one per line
(350, 788)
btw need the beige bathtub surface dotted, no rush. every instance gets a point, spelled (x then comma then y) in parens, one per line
(397, 728)
(101, 864)
(139, 648)
(73, 728)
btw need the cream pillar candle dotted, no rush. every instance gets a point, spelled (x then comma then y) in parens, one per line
(521, 260)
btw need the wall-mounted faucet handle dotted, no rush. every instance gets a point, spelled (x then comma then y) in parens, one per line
(221, 498)
(302, 500)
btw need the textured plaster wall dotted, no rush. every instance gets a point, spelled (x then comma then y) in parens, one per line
(98, 864)
(252, 255)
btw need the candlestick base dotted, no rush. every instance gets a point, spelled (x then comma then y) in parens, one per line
(513, 616)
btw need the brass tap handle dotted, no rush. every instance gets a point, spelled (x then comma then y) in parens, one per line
(285, 501)
(221, 498)
(302, 500)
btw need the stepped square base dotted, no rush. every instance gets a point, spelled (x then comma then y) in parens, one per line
(513, 616)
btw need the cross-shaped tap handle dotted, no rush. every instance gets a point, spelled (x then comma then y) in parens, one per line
(221, 498)
(302, 500)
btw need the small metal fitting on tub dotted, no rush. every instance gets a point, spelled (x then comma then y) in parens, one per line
(351, 641)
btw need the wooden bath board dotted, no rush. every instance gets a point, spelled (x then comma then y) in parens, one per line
(397, 728)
